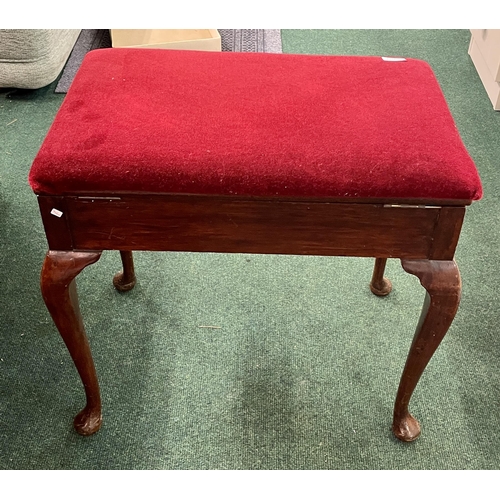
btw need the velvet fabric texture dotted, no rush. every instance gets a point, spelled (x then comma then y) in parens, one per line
(163, 121)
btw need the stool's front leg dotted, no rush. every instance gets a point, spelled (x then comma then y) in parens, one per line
(442, 281)
(59, 293)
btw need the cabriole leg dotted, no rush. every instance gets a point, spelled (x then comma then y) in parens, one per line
(59, 270)
(125, 280)
(441, 279)
(380, 285)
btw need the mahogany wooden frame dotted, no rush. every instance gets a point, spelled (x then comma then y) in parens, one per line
(422, 233)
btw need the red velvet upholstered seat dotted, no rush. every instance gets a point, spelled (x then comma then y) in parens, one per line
(254, 124)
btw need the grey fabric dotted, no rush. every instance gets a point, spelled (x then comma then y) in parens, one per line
(251, 40)
(31, 59)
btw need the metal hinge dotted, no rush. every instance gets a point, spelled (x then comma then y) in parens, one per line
(410, 206)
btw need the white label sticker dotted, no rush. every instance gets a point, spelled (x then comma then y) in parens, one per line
(393, 59)
(56, 212)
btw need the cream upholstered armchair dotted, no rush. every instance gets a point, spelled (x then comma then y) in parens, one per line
(31, 59)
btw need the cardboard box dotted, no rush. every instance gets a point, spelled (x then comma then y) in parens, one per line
(167, 39)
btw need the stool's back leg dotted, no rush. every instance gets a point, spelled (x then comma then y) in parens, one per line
(59, 293)
(442, 281)
(125, 280)
(380, 285)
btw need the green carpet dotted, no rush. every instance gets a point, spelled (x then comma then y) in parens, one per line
(303, 371)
